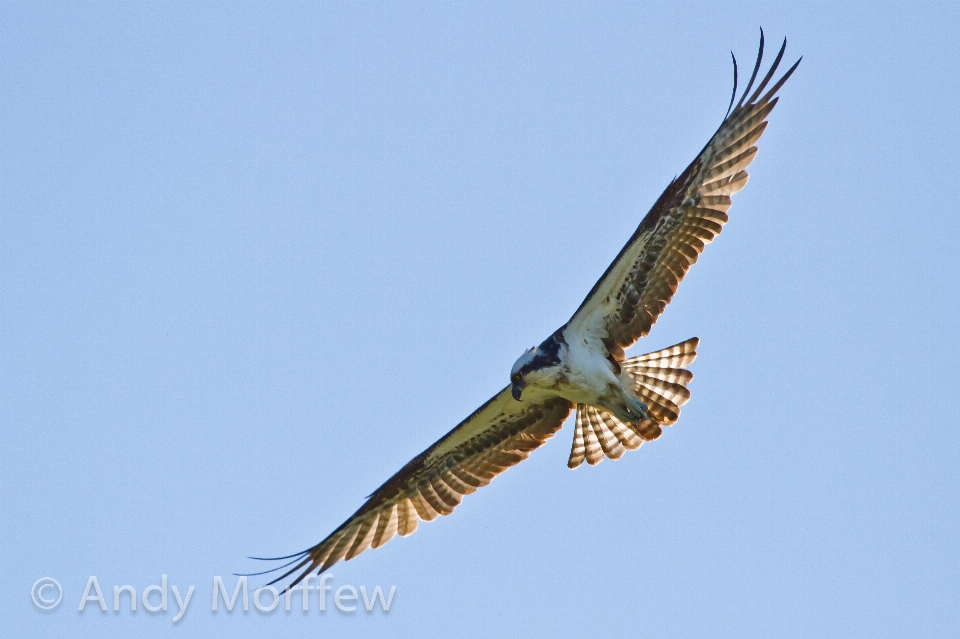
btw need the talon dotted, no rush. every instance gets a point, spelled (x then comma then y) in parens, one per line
(640, 408)
(632, 410)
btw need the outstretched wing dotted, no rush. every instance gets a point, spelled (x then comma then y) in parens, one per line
(624, 304)
(496, 436)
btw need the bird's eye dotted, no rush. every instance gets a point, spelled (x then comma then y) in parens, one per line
(516, 377)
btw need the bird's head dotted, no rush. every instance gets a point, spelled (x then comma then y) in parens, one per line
(519, 372)
(536, 365)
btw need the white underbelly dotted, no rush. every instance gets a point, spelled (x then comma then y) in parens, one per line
(590, 378)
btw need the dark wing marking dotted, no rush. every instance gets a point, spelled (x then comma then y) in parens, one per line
(498, 435)
(624, 304)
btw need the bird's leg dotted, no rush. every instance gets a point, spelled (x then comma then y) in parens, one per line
(630, 410)
(637, 408)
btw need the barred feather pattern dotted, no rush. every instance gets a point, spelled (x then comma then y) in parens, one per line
(630, 296)
(660, 382)
(500, 434)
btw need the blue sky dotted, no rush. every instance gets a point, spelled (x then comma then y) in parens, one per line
(256, 257)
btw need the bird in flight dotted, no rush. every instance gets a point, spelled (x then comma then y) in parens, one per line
(620, 402)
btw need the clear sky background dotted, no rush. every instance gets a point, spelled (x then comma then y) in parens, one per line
(256, 257)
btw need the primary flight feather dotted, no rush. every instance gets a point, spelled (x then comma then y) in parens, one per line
(621, 403)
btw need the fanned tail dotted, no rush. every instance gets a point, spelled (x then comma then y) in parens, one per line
(660, 382)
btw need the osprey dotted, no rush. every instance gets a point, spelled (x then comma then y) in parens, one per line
(620, 403)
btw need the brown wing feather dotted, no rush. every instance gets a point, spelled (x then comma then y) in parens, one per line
(500, 434)
(628, 299)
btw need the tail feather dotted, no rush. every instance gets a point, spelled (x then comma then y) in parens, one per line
(676, 393)
(609, 442)
(600, 434)
(674, 375)
(648, 429)
(660, 383)
(680, 354)
(585, 444)
(628, 439)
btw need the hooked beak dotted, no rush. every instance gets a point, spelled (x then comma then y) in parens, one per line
(517, 390)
